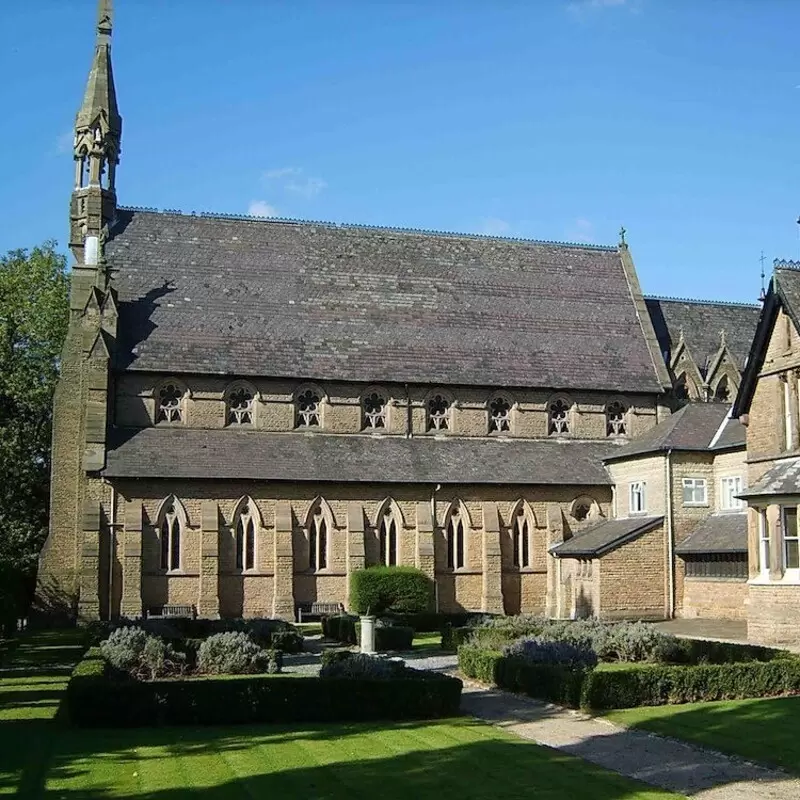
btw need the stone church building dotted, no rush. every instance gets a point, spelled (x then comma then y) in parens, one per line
(251, 409)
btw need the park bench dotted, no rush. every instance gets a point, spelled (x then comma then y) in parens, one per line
(171, 611)
(318, 610)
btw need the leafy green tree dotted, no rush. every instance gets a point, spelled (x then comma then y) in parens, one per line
(34, 313)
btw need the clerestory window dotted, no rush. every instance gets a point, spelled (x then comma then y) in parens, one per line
(616, 419)
(500, 415)
(308, 409)
(241, 404)
(374, 408)
(439, 413)
(558, 417)
(170, 403)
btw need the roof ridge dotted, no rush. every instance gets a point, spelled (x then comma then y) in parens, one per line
(360, 226)
(700, 302)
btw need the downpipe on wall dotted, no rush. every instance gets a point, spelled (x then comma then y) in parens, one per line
(670, 539)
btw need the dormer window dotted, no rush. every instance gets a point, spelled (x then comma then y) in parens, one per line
(240, 406)
(374, 407)
(500, 415)
(170, 403)
(439, 408)
(308, 409)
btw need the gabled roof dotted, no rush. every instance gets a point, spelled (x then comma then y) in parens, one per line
(693, 427)
(783, 478)
(784, 292)
(243, 296)
(258, 455)
(701, 322)
(719, 533)
(605, 536)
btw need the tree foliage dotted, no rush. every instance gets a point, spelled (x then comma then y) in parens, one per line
(34, 313)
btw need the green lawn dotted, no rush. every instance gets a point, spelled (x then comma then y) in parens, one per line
(453, 759)
(765, 730)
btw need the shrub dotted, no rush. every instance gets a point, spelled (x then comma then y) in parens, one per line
(394, 637)
(453, 638)
(231, 654)
(359, 665)
(124, 647)
(133, 651)
(399, 589)
(435, 622)
(341, 627)
(96, 699)
(542, 651)
(331, 656)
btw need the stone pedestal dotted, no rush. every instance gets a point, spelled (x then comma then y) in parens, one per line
(368, 635)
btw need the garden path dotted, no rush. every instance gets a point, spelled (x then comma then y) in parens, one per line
(669, 764)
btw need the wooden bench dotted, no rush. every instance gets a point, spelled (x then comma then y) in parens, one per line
(318, 610)
(171, 612)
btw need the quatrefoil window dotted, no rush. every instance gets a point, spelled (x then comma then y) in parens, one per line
(438, 413)
(558, 418)
(500, 415)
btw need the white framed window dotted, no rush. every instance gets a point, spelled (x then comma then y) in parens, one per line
(791, 540)
(763, 543)
(695, 492)
(638, 497)
(730, 487)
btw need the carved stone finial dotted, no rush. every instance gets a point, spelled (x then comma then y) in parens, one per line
(723, 338)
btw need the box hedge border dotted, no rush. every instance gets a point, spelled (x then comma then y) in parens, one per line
(631, 685)
(96, 697)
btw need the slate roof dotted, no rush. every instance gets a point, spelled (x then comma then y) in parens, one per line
(719, 533)
(734, 434)
(701, 322)
(259, 455)
(605, 536)
(690, 428)
(780, 479)
(242, 296)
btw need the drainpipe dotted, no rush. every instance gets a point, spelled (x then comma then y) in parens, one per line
(433, 522)
(112, 546)
(670, 538)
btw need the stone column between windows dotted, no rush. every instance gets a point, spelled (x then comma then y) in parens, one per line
(131, 604)
(793, 409)
(753, 543)
(554, 599)
(775, 527)
(208, 600)
(355, 545)
(283, 583)
(492, 583)
(89, 591)
(425, 559)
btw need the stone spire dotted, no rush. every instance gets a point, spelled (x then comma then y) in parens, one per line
(98, 133)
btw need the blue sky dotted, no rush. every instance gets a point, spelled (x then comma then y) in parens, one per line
(554, 119)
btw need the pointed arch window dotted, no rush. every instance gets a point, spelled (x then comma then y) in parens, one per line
(374, 409)
(682, 389)
(454, 534)
(170, 534)
(522, 540)
(246, 527)
(616, 419)
(387, 535)
(439, 413)
(500, 415)
(318, 540)
(240, 406)
(722, 393)
(308, 409)
(558, 417)
(170, 403)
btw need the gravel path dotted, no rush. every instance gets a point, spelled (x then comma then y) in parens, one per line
(666, 763)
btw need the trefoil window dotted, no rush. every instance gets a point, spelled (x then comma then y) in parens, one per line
(694, 492)
(557, 418)
(240, 407)
(615, 419)
(439, 413)
(388, 539)
(522, 551)
(500, 415)
(170, 403)
(374, 412)
(308, 409)
(638, 499)
(455, 540)
(170, 539)
(246, 539)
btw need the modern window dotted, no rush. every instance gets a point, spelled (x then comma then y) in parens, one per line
(374, 410)
(387, 535)
(170, 532)
(791, 541)
(558, 417)
(763, 543)
(730, 487)
(522, 540)
(308, 410)
(170, 403)
(246, 538)
(638, 498)
(695, 492)
(616, 419)
(318, 540)
(240, 406)
(500, 415)
(439, 413)
(717, 565)
(455, 540)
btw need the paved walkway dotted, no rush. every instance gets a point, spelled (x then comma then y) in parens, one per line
(669, 764)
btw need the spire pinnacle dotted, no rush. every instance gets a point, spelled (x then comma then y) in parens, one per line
(104, 21)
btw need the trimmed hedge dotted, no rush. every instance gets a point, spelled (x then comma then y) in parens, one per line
(346, 629)
(435, 621)
(376, 590)
(631, 685)
(453, 638)
(96, 697)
